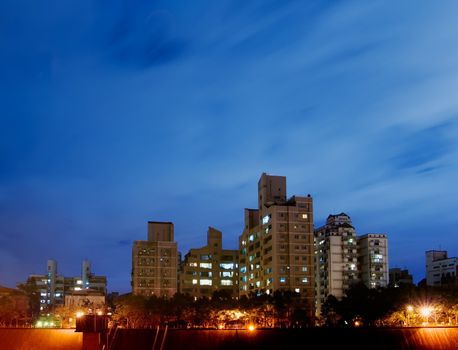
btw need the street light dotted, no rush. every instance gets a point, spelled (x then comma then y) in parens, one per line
(409, 309)
(426, 311)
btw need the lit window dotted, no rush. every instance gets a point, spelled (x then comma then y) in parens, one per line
(194, 281)
(266, 219)
(305, 280)
(304, 216)
(227, 282)
(282, 279)
(251, 238)
(206, 265)
(304, 269)
(297, 290)
(77, 288)
(258, 284)
(79, 282)
(227, 266)
(243, 269)
(193, 264)
(227, 274)
(205, 282)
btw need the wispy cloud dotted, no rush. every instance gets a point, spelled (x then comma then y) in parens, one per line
(117, 112)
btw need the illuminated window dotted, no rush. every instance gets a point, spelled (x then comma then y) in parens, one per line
(206, 265)
(251, 238)
(266, 219)
(305, 280)
(227, 266)
(243, 269)
(205, 282)
(304, 216)
(227, 282)
(227, 274)
(193, 264)
(282, 279)
(304, 269)
(258, 284)
(194, 281)
(297, 290)
(79, 282)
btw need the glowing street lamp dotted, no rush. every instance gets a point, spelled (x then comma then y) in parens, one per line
(426, 311)
(409, 309)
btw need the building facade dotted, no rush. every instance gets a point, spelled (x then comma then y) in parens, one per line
(155, 262)
(53, 288)
(210, 268)
(399, 277)
(373, 259)
(336, 258)
(440, 269)
(276, 246)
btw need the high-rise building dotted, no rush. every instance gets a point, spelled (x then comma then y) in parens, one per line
(276, 246)
(336, 258)
(373, 259)
(440, 269)
(210, 268)
(155, 261)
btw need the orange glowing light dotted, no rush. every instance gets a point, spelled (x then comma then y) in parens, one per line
(251, 328)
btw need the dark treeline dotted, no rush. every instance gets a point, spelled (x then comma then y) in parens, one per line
(401, 306)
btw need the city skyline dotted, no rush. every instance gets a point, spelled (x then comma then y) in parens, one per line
(114, 114)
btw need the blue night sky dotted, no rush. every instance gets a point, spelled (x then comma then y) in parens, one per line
(113, 113)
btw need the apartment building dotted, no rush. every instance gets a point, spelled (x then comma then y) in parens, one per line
(373, 259)
(210, 268)
(336, 258)
(276, 246)
(440, 269)
(155, 262)
(54, 288)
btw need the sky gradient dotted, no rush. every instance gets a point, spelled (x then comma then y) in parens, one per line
(113, 113)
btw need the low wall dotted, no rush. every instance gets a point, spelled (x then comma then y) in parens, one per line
(138, 339)
(40, 339)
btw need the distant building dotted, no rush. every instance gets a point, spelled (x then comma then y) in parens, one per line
(53, 287)
(155, 262)
(336, 258)
(440, 269)
(210, 268)
(87, 299)
(276, 246)
(373, 259)
(400, 277)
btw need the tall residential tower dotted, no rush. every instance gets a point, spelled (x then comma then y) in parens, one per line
(336, 258)
(276, 246)
(154, 262)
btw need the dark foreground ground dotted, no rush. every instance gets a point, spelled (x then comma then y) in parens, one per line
(354, 338)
